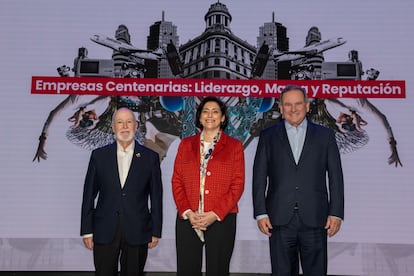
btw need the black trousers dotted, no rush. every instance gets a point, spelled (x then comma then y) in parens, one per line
(295, 240)
(132, 258)
(219, 243)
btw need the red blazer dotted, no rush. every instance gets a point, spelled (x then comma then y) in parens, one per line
(224, 183)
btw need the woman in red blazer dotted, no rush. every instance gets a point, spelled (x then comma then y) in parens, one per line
(207, 183)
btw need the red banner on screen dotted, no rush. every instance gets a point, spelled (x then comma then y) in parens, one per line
(214, 87)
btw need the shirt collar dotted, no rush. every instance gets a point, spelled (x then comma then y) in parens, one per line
(130, 148)
(301, 126)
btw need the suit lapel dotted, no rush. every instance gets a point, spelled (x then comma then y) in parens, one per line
(282, 135)
(136, 163)
(310, 134)
(195, 147)
(113, 163)
(221, 143)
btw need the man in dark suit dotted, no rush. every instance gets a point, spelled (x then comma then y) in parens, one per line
(293, 204)
(122, 225)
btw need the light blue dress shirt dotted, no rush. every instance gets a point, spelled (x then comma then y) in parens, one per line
(296, 136)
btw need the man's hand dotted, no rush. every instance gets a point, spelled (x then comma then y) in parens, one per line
(153, 243)
(88, 242)
(265, 225)
(333, 224)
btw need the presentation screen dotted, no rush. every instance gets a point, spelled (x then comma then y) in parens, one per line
(67, 65)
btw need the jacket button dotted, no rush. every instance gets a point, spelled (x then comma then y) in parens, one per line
(207, 192)
(208, 173)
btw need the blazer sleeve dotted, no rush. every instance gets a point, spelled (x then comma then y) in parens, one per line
(90, 191)
(156, 193)
(336, 179)
(260, 177)
(178, 189)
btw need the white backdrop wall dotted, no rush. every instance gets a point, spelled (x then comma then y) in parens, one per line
(40, 202)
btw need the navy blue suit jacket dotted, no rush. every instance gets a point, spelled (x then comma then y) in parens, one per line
(279, 183)
(142, 217)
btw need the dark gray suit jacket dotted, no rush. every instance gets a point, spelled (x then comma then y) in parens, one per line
(315, 184)
(143, 182)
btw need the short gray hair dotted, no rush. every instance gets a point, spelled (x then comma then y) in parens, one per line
(291, 87)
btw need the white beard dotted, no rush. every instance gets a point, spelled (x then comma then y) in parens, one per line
(125, 139)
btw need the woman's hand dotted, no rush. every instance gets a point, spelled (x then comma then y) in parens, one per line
(204, 220)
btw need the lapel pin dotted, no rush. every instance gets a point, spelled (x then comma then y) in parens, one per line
(138, 155)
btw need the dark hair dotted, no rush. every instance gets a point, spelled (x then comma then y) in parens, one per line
(223, 109)
(291, 87)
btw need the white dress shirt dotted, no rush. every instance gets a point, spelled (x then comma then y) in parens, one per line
(124, 158)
